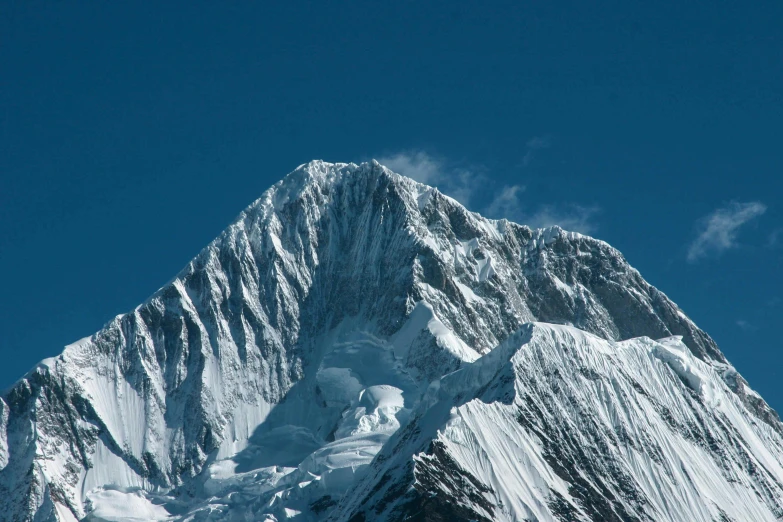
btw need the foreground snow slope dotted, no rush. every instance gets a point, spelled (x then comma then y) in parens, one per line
(558, 424)
(269, 378)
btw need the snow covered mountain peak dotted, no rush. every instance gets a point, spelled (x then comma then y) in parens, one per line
(318, 344)
(318, 176)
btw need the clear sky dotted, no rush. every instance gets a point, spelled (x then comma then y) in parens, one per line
(131, 135)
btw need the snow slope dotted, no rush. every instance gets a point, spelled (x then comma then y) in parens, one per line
(271, 378)
(558, 424)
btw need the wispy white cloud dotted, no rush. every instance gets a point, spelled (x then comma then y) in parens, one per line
(775, 238)
(745, 325)
(508, 204)
(578, 218)
(462, 184)
(469, 185)
(533, 145)
(718, 230)
(415, 164)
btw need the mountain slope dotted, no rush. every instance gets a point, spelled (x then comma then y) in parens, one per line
(268, 374)
(557, 424)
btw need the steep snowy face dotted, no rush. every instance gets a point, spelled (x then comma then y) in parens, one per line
(266, 377)
(557, 424)
(3, 434)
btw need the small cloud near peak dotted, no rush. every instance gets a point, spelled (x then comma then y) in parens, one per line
(775, 238)
(470, 185)
(533, 145)
(463, 184)
(576, 218)
(507, 204)
(746, 326)
(417, 165)
(718, 231)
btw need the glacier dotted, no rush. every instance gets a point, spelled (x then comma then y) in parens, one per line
(359, 346)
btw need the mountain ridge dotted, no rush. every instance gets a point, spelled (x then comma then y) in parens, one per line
(269, 334)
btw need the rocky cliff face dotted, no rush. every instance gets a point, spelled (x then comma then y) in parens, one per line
(279, 369)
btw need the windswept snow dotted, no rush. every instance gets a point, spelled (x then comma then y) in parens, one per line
(557, 424)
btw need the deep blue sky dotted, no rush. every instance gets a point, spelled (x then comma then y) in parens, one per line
(132, 135)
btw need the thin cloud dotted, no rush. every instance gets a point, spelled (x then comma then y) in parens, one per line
(415, 164)
(533, 145)
(467, 185)
(460, 183)
(718, 231)
(746, 326)
(507, 204)
(577, 218)
(774, 239)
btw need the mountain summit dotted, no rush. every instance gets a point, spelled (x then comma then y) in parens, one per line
(358, 346)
